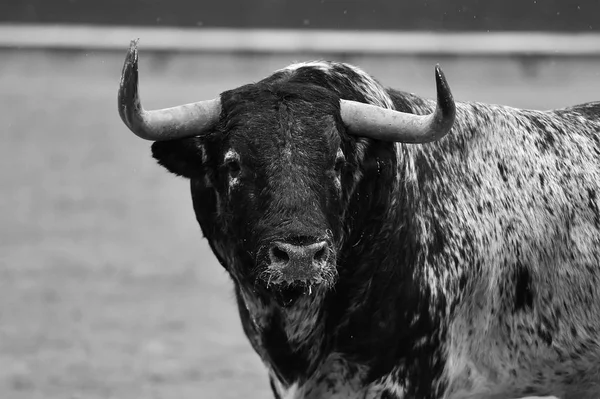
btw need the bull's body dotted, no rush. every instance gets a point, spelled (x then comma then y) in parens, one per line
(469, 267)
(472, 271)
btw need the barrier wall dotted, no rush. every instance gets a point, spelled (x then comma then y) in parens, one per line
(436, 15)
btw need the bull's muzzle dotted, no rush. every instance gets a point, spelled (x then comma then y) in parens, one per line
(299, 263)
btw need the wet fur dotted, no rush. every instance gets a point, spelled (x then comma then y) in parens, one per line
(466, 267)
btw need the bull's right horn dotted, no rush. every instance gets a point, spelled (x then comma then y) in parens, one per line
(163, 124)
(389, 125)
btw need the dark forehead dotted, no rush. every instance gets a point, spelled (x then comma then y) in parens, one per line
(281, 108)
(307, 87)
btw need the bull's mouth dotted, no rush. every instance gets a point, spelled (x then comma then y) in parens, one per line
(288, 286)
(288, 295)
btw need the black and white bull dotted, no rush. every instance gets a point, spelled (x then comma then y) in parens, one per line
(383, 245)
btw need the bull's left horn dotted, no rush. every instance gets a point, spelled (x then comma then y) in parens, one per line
(163, 124)
(390, 125)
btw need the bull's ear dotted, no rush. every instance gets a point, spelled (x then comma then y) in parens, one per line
(181, 157)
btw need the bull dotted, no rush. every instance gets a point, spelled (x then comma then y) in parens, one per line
(385, 245)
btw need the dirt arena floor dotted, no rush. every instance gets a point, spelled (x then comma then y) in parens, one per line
(107, 288)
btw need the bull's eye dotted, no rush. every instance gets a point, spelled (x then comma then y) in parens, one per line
(232, 163)
(339, 164)
(233, 168)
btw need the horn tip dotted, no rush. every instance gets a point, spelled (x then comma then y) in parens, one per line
(445, 99)
(132, 53)
(130, 66)
(439, 75)
(128, 90)
(443, 88)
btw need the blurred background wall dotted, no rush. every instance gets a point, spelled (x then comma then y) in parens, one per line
(439, 15)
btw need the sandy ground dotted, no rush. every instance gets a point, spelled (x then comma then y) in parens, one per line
(107, 289)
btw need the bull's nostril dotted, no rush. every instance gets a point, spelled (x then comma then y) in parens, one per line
(279, 254)
(298, 255)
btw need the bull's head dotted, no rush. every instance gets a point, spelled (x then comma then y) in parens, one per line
(273, 166)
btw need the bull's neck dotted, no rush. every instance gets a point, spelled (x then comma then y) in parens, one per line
(389, 278)
(374, 210)
(288, 339)
(382, 301)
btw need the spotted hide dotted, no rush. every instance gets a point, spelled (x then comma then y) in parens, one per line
(466, 267)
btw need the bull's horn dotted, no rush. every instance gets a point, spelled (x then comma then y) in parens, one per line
(390, 125)
(163, 124)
